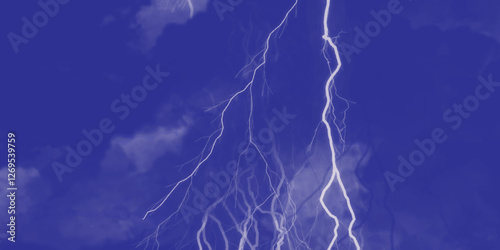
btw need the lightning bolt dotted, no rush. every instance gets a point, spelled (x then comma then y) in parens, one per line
(256, 207)
(282, 208)
(324, 118)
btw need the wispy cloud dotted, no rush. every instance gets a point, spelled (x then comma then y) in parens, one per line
(143, 149)
(448, 15)
(151, 20)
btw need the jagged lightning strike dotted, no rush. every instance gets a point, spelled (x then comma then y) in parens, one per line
(324, 119)
(249, 208)
(248, 86)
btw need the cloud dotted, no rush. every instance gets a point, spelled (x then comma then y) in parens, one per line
(105, 212)
(308, 183)
(150, 20)
(102, 209)
(138, 152)
(26, 178)
(143, 149)
(480, 16)
(110, 208)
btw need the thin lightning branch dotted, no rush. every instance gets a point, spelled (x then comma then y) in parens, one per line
(191, 8)
(282, 206)
(219, 225)
(248, 85)
(249, 218)
(335, 171)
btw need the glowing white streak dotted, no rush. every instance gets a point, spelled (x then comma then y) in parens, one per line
(191, 8)
(238, 228)
(179, 4)
(335, 171)
(279, 218)
(249, 84)
(202, 231)
(279, 226)
(244, 231)
(226, 242)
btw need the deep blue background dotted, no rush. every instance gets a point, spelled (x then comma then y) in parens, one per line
(424, 61)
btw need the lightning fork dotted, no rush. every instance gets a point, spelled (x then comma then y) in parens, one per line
(324, 119)
(249, 85)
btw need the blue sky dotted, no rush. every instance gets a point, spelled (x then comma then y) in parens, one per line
(415, 103)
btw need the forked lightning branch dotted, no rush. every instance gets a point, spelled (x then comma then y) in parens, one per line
(279, 190)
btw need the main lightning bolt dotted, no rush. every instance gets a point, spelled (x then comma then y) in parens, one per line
(324, 118)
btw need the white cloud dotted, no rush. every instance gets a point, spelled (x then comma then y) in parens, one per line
(151, 19)
(24, 178)
(143, 149)
(480, 16)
